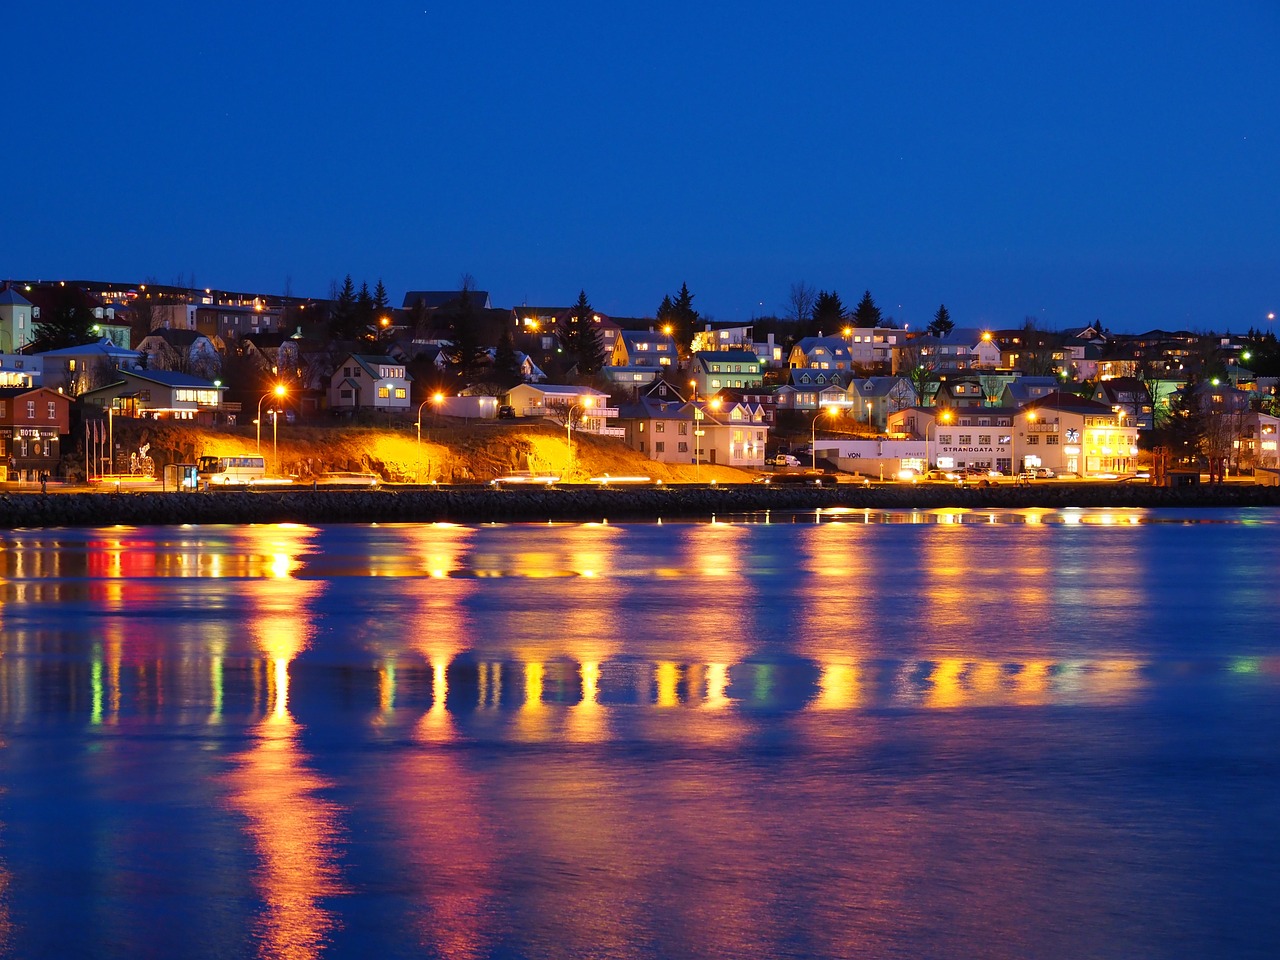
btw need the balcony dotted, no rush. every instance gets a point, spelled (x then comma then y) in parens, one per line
(1038, 427)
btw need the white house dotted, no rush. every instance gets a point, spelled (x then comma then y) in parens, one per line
(363, 382)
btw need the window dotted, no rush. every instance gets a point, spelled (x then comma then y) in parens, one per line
(1051, 440)
(944, 438)
(400, 394)
(684, 430)
(966, 439)
(53, 410)
(1006, 439)
(1032, 439)
(660, 447)
(384, 393)
(984, 439)
(682, 446)
(31, 409)
(345, 394)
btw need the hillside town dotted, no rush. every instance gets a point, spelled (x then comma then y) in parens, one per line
(824, 389)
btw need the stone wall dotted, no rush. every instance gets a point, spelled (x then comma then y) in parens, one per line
(487, 504)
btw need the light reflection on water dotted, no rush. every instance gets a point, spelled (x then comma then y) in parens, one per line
(837, 734)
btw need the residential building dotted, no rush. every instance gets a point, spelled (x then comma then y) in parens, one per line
(1074, 435)
(86, 366)
(586, 407)
(158, 394)
(980, 437)
(32, 423)
(16, 320)
(874, 398)
(710, 371)
(820, 353)
(704, 431)
(363, 382)
(1129, 396)
(186, 351)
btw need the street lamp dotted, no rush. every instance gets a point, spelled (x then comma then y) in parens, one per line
(584, 404)
(417, 470)
(277, 391)
(813, 435)
(944, 417)
(868, 413)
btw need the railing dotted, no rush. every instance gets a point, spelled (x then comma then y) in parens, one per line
(1042, 427)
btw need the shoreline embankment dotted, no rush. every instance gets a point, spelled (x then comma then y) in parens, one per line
(570, 503)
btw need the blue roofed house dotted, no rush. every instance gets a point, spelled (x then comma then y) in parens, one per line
(640, 356)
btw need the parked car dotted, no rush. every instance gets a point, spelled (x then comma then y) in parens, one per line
(783, 460)
(951, 475)
(506, 412)
(1044, 473)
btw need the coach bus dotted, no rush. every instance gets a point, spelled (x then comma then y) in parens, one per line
(231, 471)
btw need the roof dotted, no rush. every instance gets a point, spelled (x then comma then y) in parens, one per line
(170, 378)
(11, 297)
(435, 299)
(1058, 400)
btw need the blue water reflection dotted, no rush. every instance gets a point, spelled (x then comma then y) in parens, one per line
(851, 733)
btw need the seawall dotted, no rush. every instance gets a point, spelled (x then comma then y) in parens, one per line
(508, 505)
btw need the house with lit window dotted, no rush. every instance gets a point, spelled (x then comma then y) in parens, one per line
(670, 429)
(32, 423)
(1074, 435)
(369, 383)
(819, 353)
(979, 437)
(158, 394)
(874, 398)
(587, 408)
(640, 356)
(810, 388)
(714, 370)
(86, 366)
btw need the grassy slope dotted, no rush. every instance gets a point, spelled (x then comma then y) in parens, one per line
(452, 451)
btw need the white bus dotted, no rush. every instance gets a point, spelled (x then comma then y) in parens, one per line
(232, 471)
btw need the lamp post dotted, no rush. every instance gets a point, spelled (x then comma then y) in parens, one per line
(868, 414)
(584, 405)
(277, 391)
(944, 417)
(275, 455)
(813, 436)
(417, 470)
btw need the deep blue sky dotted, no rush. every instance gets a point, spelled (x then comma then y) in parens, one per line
(1112, 160)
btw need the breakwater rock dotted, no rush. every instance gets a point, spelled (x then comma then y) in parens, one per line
(510, 505)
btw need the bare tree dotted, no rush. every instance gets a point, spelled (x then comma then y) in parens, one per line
(800, 302)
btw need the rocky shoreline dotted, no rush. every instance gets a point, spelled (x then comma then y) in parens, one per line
(512, 505)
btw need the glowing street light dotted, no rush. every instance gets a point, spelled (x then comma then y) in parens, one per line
(278, 391)
(435, 399)
(813, 434)
(944, 417)
(584, 405)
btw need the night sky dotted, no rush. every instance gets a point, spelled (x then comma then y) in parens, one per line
(1117, 161)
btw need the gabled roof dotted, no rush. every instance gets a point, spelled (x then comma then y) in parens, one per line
(705, 357)
(836, 346)
(435, 299)
(169, 378)
(175, 338)
(1059, 400)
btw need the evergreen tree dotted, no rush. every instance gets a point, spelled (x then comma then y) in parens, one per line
(343, 324)
(68, 324)
(381, 304)
(506, 363)
(580, 338)
(667, 315)
(366, 320)
(686, 318)
(464, 352)
(941, 325)
(1183, 432)
(866, 314)
(828, 313)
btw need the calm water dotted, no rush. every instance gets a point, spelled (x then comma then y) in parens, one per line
(943, 734)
